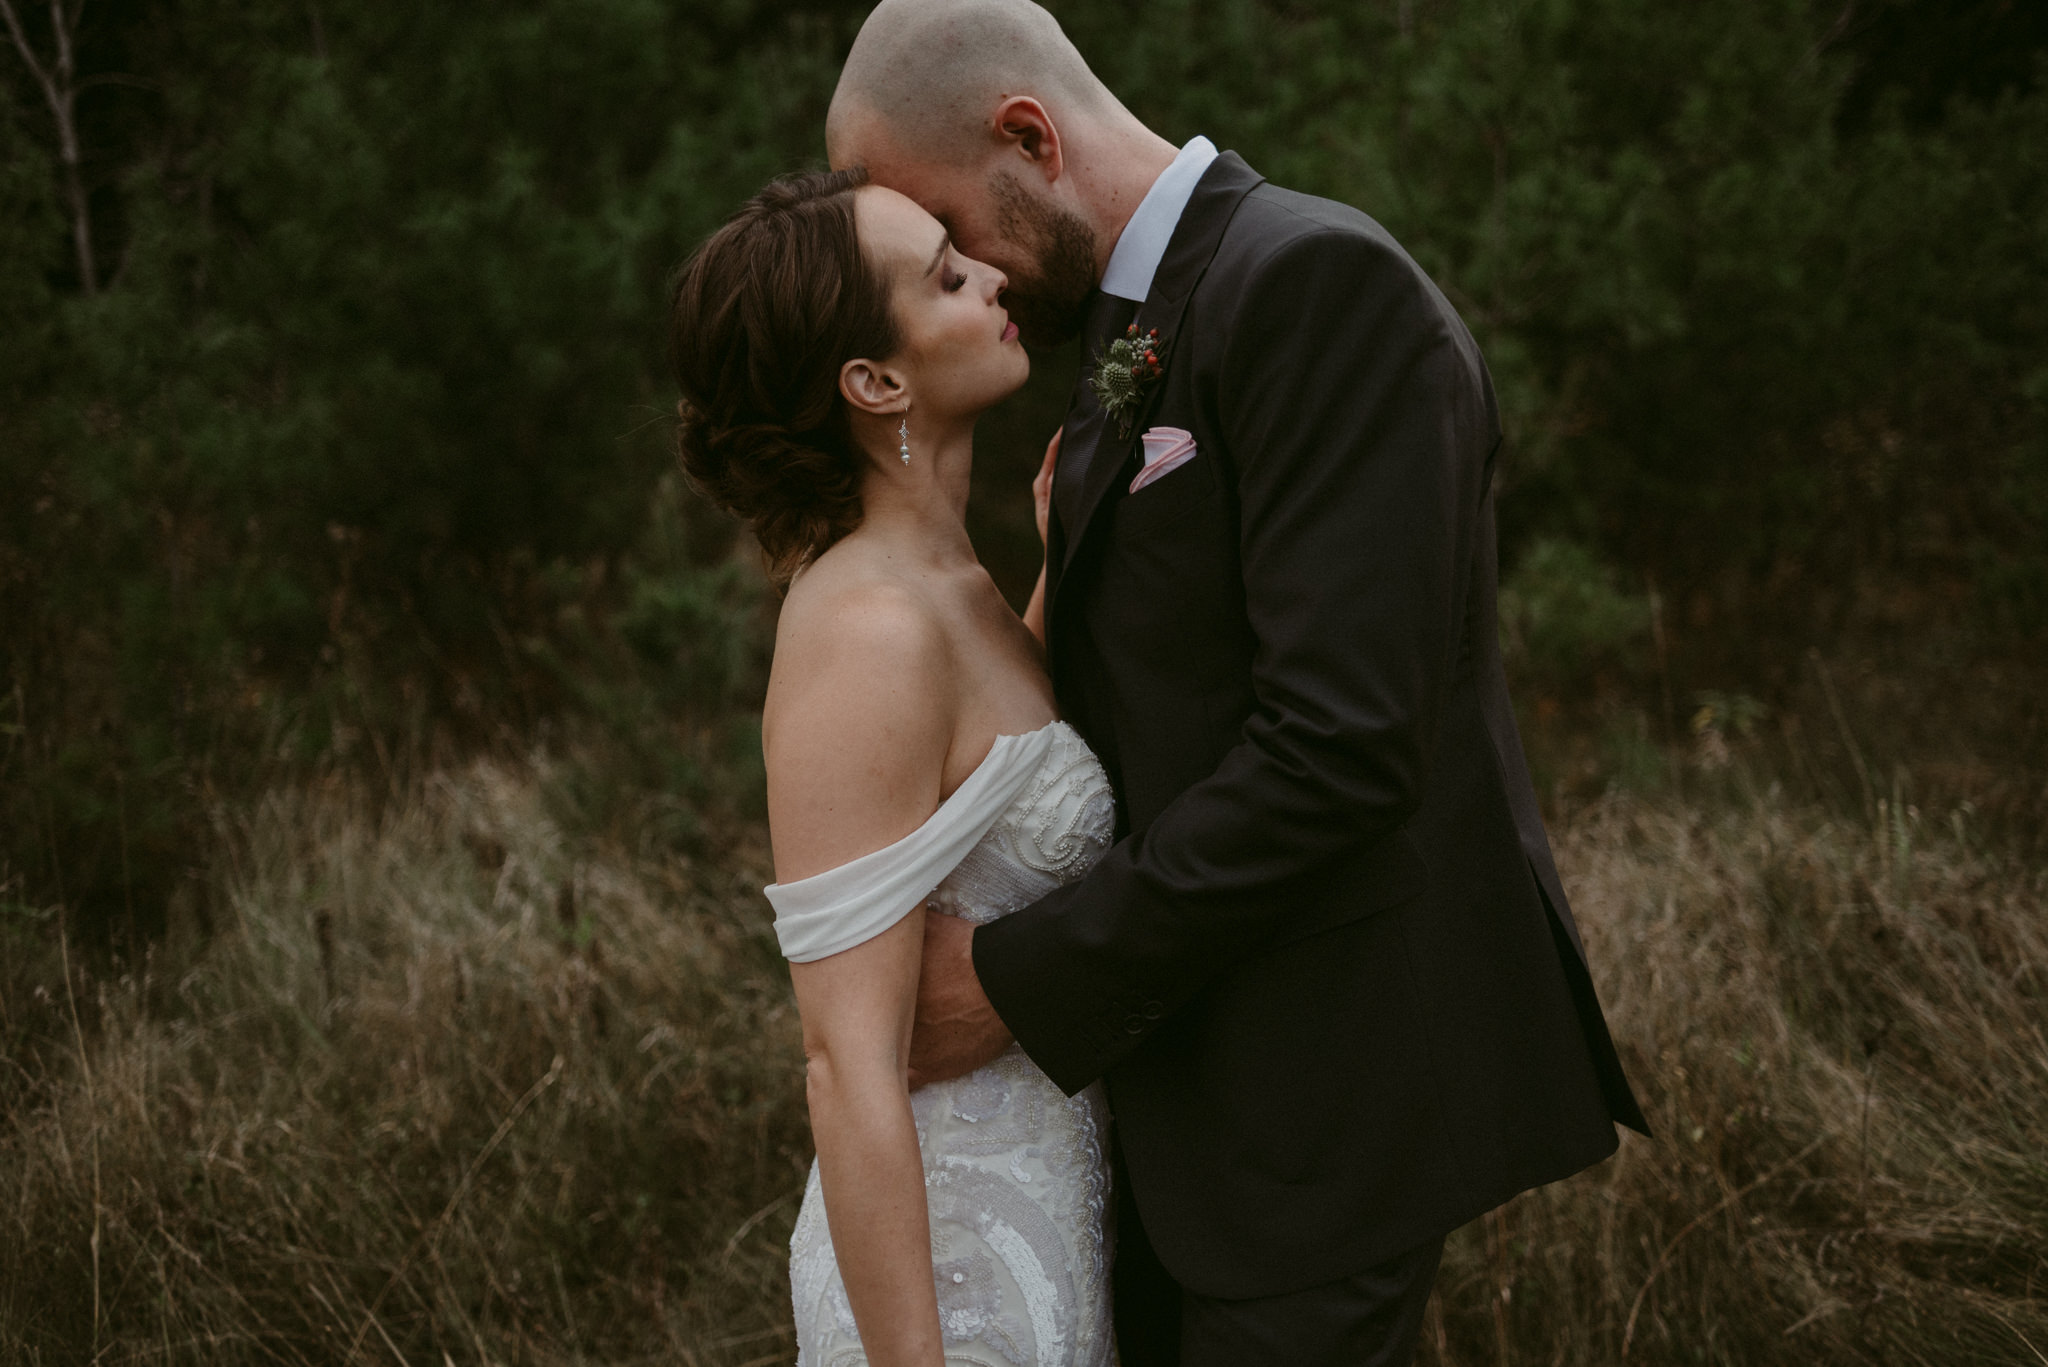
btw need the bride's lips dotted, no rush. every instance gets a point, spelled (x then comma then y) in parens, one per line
(1009, 331)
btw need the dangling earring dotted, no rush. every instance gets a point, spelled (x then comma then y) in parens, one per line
(903, 437)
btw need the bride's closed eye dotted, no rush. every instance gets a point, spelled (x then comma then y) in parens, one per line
(952, 281)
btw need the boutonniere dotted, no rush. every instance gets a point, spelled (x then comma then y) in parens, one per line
(1123, 371)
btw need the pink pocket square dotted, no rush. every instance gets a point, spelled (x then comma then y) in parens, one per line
(1166, 449)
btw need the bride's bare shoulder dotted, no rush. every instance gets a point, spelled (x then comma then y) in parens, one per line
(845, 610)
(859, 716)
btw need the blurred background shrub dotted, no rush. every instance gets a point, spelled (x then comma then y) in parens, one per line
(336, 429)
(1562, 615)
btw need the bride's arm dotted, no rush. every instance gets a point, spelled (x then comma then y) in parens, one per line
(856, 1010)
(859, 722)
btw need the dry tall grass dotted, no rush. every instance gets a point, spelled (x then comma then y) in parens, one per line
(1838, 1032)
(453, 1087)
(445, 1087)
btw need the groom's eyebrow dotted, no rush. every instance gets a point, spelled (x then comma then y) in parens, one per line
(940, 254)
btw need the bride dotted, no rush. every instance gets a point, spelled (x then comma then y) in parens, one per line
(834, 351)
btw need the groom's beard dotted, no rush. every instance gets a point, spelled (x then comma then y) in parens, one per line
(1048, 302)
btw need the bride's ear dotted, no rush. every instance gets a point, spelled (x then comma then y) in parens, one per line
(871, 387)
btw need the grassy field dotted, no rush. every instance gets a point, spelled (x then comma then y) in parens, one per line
(440, 1081)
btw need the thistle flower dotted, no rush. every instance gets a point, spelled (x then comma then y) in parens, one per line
(1123, 371)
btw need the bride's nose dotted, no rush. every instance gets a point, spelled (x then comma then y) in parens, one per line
(998, 282)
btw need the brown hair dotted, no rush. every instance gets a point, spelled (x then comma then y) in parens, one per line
(761, 318)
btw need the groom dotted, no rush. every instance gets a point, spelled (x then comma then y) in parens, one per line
(1327, 973)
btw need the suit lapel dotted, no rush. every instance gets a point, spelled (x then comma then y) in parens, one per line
(1085, 420)
(1091, 442)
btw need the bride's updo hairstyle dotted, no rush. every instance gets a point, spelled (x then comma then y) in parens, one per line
(761, 319)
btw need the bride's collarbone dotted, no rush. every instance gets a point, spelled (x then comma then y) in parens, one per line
(998, 656)
(987, 672)
(1001, 689)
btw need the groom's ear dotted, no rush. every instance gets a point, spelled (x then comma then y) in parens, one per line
(870, 387)
(1026, 130)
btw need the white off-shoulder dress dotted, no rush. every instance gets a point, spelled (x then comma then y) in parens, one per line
(1016, 1174)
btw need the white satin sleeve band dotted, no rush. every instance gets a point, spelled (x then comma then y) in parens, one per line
(835, 910)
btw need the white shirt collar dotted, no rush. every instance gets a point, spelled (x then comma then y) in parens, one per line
(1143, 243)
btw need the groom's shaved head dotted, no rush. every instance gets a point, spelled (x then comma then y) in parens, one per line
(984, 113)
(927, 75)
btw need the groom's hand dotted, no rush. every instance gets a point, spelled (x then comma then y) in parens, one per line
(957, 1030)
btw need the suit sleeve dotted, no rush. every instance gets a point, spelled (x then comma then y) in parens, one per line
(1358, 418)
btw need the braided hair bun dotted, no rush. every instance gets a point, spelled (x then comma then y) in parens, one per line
(761, 318)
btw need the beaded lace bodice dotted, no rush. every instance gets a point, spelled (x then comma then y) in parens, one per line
(1016, 1174)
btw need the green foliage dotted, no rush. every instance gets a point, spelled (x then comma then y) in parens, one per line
(364, 437)
(1723, 335)
(1562, 616)
(30, 230)
(362, 445)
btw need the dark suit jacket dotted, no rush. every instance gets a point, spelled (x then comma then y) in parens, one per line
(1327, 971)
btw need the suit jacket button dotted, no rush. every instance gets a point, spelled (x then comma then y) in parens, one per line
(1153, 1011)
(1134, 1025)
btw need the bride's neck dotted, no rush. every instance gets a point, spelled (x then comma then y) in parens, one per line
(921, 507)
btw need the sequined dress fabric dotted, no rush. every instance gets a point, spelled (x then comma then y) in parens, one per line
(1016, 1174)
